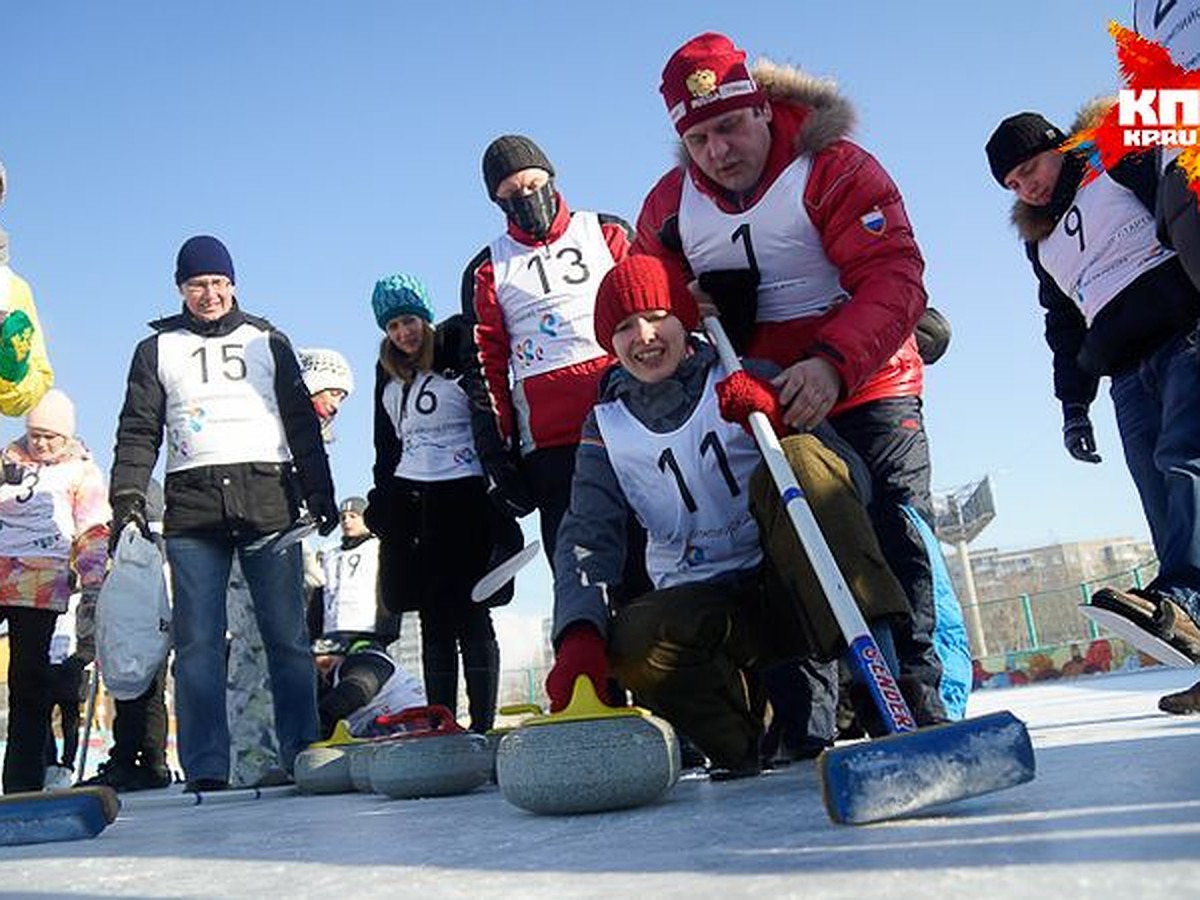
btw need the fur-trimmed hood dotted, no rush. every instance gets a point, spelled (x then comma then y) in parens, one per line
(1033, 223)
(830, 117)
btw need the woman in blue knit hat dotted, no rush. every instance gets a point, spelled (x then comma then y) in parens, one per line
(429, 494)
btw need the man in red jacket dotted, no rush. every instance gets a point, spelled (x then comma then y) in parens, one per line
(800, 240)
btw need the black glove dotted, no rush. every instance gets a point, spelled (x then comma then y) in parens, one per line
(375, 517)
(128, 507)
(735, 292)
(933, 335)
(324, 512)
(85, 625)
(14, 472)
(507, 487)
(1078, 437)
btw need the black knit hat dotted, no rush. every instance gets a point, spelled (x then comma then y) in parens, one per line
(1019, 138)
(511, 153)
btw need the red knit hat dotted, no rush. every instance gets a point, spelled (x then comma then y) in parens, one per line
(640, 284)
(707, 77)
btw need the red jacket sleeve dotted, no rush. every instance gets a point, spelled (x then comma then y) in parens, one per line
(859, 213)
(658, 223)
(617, 234)
(486, 377)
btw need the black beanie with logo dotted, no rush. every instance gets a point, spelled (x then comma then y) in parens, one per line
(1019, 138)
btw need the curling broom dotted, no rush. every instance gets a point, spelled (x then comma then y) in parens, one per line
(909, 769)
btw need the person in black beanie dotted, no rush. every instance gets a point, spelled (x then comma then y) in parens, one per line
(243, 448)
(1118, 304)
(528, 298)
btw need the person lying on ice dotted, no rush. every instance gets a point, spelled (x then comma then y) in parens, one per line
(733, 590)
(358, 681)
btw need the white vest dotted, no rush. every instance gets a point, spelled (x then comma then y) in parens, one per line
(351, 578)
(1103, 242)
(776, 236)
(221, 405)
(36, 516)
(432, 419)
(401, 691)
(688, 487)
(548, 295)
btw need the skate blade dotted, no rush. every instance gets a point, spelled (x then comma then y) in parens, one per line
(1136, 637)
(901, 774)
(39, 817)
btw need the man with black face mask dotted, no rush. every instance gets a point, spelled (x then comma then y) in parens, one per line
(1117, 303)
(535, 370)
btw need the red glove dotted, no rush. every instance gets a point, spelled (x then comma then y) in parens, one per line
(741, 394)
(580, 652)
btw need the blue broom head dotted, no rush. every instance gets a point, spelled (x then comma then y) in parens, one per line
(42, 817)
(905, 773)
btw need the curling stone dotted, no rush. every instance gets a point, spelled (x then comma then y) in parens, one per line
(359, 762)
(324, 767)
(588, 758)
(437, 758)
(495, 735)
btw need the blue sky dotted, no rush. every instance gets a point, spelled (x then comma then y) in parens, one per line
(331, 144)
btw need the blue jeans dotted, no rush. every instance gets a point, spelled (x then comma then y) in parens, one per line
(200, 580)
(1158, 415)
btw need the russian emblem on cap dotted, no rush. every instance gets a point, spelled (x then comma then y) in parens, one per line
(702, 82)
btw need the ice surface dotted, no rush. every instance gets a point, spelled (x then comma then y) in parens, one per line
(1114, 812)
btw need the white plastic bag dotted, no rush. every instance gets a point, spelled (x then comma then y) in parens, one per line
(133, 617)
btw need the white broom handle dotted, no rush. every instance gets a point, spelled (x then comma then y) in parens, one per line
(845, 610)
(864, 653)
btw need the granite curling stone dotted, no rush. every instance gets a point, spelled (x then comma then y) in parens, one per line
(438, 760)
(588, 758)
(358, 762)
(324, 767)
(495, 735)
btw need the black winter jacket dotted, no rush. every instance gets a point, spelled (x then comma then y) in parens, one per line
(240, 500)
(1140, 319)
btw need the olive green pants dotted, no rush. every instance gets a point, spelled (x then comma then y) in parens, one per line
(689, 652)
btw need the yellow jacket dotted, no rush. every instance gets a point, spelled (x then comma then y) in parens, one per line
(18, 397)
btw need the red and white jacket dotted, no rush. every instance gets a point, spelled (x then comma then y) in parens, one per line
(548, 396)
(866, 242)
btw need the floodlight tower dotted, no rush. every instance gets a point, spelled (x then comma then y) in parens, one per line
(960, 515)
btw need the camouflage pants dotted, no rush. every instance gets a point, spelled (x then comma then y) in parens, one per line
(248, 702)
(691, 652)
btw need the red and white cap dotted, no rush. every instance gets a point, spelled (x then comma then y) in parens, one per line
(707, 77)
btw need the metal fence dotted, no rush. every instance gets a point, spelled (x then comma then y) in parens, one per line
(1034, 634)
(1049, 619)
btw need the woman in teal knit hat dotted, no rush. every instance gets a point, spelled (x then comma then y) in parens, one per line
(428, 484)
